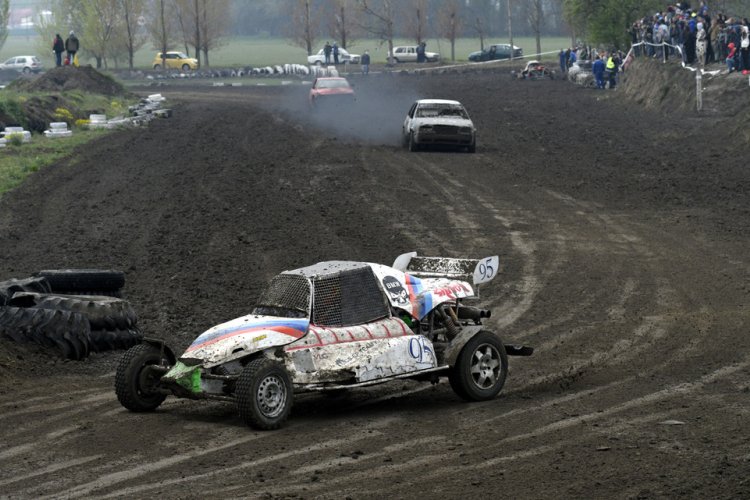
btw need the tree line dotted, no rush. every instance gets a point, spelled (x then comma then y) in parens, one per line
(307, 22)
(112, 31)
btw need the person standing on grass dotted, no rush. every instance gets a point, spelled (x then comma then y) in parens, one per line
(72, 46)
(561, 55)
(327, 51)
(58, 47)
(365, 62)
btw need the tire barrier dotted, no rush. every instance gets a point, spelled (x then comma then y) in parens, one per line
(69, 331)
(10, 287)
(63, 280)
(77, 311)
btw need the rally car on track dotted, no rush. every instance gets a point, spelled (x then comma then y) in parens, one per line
(535, 70)
(331, 92)
(438, 121)
(332, 326)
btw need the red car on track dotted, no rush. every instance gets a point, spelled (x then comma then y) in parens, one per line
(331, 91)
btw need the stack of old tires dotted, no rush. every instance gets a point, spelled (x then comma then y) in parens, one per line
(78, 311)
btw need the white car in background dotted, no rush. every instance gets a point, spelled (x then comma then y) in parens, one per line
(409, 54)
(344, 56)
(23, 64)
(437, 121)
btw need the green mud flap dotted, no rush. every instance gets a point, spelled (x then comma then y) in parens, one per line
(517, 350)
(188, 377)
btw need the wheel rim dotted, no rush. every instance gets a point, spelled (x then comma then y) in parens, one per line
(485, 366)
(271, 396)
(146, 384)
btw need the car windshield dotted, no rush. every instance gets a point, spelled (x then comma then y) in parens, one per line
(286, 296)
(182, 56)
(435, 110)
(10, 61)
(333, 84)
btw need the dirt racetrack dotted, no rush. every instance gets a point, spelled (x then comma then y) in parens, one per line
(622, 236)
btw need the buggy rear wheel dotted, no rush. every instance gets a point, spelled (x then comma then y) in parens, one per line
(480, 370)
(264, 394)
(135, 382)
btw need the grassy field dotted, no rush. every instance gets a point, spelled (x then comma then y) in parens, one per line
(18, 161)
(262, 51)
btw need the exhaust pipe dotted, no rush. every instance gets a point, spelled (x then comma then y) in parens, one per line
(473, 313)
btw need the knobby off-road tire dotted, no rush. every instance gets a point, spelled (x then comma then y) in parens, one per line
(64, 280)
(94, 293)
(480, 370)
(134, 381)
(10, 287)
(413, 146)
(103, 312)
(264, 394)
(68, 331)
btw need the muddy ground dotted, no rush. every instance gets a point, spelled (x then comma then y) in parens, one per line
(622, 234)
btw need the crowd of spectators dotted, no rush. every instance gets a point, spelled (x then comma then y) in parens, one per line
(703, 36)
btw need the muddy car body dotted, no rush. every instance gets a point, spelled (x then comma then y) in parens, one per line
(331, 92)
(535, 70)
(438, 122)
(332, 326)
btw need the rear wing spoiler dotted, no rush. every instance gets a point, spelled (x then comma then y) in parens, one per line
(476, 271)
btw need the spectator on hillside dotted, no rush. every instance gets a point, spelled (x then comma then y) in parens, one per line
(744, 48)
(365, 62)
(335, 50)
(700, 43)
(730, 57)
(327, 51)
(713, 33)
(689, 45)
(72, 46)
(561, 55)
(58, 47)
(598, 68)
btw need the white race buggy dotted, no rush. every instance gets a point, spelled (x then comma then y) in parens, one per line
(332, 326)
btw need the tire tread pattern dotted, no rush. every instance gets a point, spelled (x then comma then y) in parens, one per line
(130, 361)
(84, 279)
(245, 395)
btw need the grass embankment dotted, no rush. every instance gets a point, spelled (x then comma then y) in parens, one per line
(19, 160)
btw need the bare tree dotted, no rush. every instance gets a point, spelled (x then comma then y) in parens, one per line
(99, 20)
(535, 16)
(380, 20)
(131, 37)
(160, 27)
(182, 10)
(4, 20)
(510, 31)
(344, 21)
(303, 29)
(215, 25)
(415, 19)
(450, 25)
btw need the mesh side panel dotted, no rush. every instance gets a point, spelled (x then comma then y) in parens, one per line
(348, 298)
(327, 305)
(290, 291)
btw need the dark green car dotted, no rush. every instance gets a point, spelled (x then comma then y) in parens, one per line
(496, 51)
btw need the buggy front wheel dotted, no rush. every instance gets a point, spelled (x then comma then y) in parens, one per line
(480, 370)
(135, 381)
(264, 394)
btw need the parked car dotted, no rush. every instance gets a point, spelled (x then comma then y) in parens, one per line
(409, 54)
(176, 60)
(330, 91)
(333, 326)
(436, 121)
(496, 51)
(344, 56)
(23, 64)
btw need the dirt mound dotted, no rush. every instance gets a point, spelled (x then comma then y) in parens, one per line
(83, 78)
(670, 87)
